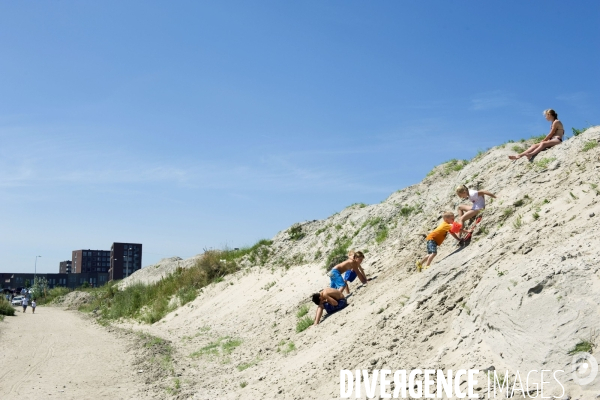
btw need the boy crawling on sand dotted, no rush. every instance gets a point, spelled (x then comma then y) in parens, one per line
(330, 300)
(350, 275)
(336, 275)
(437, 237)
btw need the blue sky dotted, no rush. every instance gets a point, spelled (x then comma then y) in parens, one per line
(189, 125)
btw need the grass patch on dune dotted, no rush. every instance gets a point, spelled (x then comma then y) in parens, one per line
(247, 365)
(544, 162)
(302, 311)
(518, 149)
(589, 145)
(150, 303)
(303, 324)
(454, 165)
(585, 346)
(340, 250)
(220, 347)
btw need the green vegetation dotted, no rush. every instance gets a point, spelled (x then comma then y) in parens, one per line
(319, 231)
(577, 132)
(381, 229)
(269, 286)
(454, 165)
(318, 254)
(467, 309)
(544, 162)
(518, 222)
(382, 234)
(507, 212)
(538, 139)
(150, 303)
(359, 205)
(257, 254)
(406, 210)
(302, 311)
(295, 232)
(589, 145)
(483, 230)
(518, 149)
(286, 348)
(573, 196)
(6, 308)
(249, 364)
(243, 384)
(338, 227)
(536, 215)
(220, 347)
(297, 259)
(519, 203)
(501, 273)
(480, 153)
(304, 323)
(340, 250)
(585, 346)
(161, 349)
(52, 295)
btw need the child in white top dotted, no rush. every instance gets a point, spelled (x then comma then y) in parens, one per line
(33, 304)
(465, 211)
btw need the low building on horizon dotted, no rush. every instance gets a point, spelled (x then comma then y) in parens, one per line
(64, 267)
(12, 281)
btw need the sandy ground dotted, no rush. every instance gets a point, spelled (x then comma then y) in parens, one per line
(61, 354)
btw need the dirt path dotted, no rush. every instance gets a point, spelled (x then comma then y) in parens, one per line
(58, 354)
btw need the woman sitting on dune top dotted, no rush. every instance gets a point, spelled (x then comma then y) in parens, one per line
(557, 131)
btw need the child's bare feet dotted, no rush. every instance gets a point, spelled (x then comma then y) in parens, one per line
(514, 157)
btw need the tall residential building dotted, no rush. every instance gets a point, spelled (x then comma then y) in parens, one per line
(65, 267)
(125, 259)
(84, 261)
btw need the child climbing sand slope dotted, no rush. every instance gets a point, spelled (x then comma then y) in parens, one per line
(477, 197)
(350, 275)
(437, 237)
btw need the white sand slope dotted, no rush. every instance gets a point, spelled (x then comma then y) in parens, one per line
(518, 298)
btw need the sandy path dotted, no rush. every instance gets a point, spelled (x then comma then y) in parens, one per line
(58, 354)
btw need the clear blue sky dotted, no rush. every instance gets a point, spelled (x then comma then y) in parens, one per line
(187, 125)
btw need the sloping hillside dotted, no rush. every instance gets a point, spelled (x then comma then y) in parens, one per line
(519, 297)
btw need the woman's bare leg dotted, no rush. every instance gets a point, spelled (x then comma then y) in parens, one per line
(529, 150)
(542, 146)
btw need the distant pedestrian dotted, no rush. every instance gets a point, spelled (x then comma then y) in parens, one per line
(33, 306)
(24, 303)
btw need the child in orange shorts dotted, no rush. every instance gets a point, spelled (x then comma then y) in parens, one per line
(437, 237)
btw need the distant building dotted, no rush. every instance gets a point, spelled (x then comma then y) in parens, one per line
(125, 259)
(65, 267)
(86, 261)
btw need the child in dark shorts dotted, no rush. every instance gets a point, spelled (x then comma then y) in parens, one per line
(437, 237)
